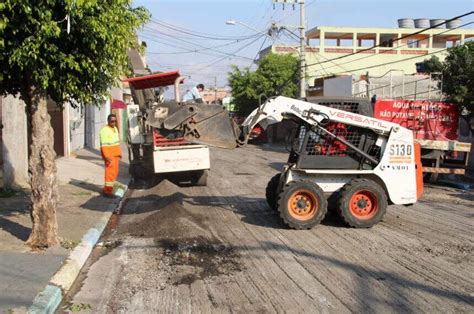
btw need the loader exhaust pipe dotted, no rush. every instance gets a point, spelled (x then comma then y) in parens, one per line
(176, 87)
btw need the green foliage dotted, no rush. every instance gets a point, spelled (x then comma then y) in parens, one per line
(458, 76)
(69, 244)
(432, 64)
(276, 75)
(37, 51)
(80, 307)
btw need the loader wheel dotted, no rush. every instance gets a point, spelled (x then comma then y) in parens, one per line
(272, 191)
(362, 203)
(302, 204)
(200, 178)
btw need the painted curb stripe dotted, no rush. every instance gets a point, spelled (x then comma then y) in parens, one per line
(66, 275)
(46, 301)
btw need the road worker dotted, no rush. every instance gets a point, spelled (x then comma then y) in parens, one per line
(194, 94)
(110, 149)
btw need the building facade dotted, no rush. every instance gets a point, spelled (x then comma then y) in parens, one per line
(335, 51)
(215, 95)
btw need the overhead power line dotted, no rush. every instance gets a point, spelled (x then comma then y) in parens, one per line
(210, 53)
(198, 34)
(239, 49)
(197, 50)
(227, 55)
(388, 63)
(153, 38)
(258, 51)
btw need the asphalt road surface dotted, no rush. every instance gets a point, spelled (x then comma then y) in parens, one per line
(221, 249)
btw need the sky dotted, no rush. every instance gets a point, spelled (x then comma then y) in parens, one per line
(172, 43)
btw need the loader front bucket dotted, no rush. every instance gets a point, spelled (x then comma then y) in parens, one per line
(212, 125)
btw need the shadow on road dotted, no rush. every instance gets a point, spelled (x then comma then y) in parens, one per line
(17, 205)
(86, 185)
(15, 229)
(277, 165)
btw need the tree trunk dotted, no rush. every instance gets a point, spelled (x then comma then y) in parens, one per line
(42, 170)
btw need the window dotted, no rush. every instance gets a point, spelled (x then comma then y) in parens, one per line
(413, 43)
(388, 40)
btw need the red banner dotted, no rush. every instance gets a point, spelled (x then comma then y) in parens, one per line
(428, 120)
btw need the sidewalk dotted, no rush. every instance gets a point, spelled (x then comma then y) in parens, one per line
(23, 274)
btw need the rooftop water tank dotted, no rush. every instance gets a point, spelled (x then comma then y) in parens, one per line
(454, 23)
(406, 23)
(434, 22)
(422, 23)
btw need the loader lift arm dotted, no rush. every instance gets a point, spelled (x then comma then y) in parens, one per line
(276, 109)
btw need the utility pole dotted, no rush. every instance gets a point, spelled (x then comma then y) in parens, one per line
(302, 36)
(215, 89)
(302, 52)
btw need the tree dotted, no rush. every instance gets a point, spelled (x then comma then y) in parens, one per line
(276, 75)
(458, 78)
(44, 57)
(431, 65)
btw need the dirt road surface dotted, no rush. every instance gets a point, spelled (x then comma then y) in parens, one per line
(221, 249)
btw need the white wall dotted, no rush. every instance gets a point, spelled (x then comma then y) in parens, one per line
(95, 119)
(76, 128)
(338, 86)
(14, 143)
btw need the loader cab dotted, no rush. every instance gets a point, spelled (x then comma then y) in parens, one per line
(311, 148)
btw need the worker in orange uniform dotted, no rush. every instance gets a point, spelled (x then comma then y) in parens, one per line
(110, 149)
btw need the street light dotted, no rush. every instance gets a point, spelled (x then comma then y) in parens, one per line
(234, 22)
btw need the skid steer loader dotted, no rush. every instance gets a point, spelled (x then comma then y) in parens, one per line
(359, 162)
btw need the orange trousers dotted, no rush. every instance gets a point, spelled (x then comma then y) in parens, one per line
(111, 173)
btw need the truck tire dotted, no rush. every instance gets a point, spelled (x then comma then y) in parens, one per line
(302, 204)
(138, 171)
(200, 178)
(362, 203)
(271, 192)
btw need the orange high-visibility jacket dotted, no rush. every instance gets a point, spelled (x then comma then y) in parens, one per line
(110, 142)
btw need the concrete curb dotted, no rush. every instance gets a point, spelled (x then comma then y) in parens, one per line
(49, 299)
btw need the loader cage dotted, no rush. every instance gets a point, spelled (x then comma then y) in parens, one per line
(311, 148)
(361, 106)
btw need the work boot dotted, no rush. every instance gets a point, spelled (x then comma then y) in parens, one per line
(108, 195)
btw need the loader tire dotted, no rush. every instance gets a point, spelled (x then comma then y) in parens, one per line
(362, 203)
(302, 204)
(200, 178)
(272, 192)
